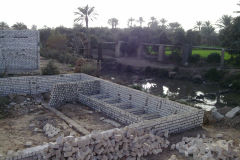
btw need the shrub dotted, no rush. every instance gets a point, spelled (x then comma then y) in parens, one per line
(86, 66)
(50, 69)
(161, 73)
(214, 58)
(60, 56)
(175, 57)
(214, 75)
(194, 58)
(137, 87)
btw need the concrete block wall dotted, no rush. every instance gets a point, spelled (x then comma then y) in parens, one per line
(19, 51)
(173, 124)
(69, 92)
(109, 110)
(34, 84)
(148, 102)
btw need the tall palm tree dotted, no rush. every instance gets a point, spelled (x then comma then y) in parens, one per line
(224, 21)
(84, 14)
(163, 22)
(141, 21)
(19, 26)
(198, 25)
(238, 5)
(174, 25)
(153, 22)
(3, 26)
(130, 22)
(113, 22)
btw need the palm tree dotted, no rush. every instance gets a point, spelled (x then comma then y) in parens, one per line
(141, 21)
(113, 22)
(19, 26)
(163, 22)
(238, 5)
(224, 21)
(198, 25)
(3, 26)
(174, 25)
(130, 22)
(153, 23)
(84, 14)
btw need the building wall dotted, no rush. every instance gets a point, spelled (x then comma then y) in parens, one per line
(19, 51)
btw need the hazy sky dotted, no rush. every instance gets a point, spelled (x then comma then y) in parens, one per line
(54, 13)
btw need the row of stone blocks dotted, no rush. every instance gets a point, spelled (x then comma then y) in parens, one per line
(34, 84)
(127, 143)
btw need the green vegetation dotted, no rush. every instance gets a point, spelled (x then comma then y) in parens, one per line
(4, 111)
(50, 69)
(214, 75)
(204, 53)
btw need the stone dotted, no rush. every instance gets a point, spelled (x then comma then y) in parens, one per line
(197, 78)
(10, 152)
(28, 144)
(218, 116)
(50, 130)
(102, 118)
(172, 74)
(173, 157)
(219, 135)
(233, 112)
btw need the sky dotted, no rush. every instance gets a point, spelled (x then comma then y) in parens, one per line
(54, 13)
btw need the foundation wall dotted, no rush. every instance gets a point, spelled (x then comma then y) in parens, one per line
(34, 84)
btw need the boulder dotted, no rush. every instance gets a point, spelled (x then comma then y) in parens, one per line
(218, 116)
(197, 78)
(232, 113)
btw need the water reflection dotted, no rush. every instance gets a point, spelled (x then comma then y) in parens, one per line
(168, 93)
(199, 98)
(147, 86)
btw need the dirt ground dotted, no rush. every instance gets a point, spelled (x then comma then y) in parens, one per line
(17, 129)
(86, 117)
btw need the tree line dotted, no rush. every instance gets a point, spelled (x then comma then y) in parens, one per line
(78, 39)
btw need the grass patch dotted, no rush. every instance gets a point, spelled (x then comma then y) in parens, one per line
(204, 53)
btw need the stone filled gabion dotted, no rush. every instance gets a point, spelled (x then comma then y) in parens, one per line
(69, 92)
(19, 51)
(126, 143)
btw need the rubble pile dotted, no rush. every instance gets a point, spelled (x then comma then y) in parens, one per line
(50, 130)
(206, 148)
(126, 143)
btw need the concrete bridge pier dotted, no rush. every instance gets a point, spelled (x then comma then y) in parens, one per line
(186, 52)
(140, 51)
(222, 58)
(118, 52)
(161, 53)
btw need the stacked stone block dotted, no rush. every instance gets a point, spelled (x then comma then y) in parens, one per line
(19, 51)
(34, 84)
(128, 143)
(68, 92)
